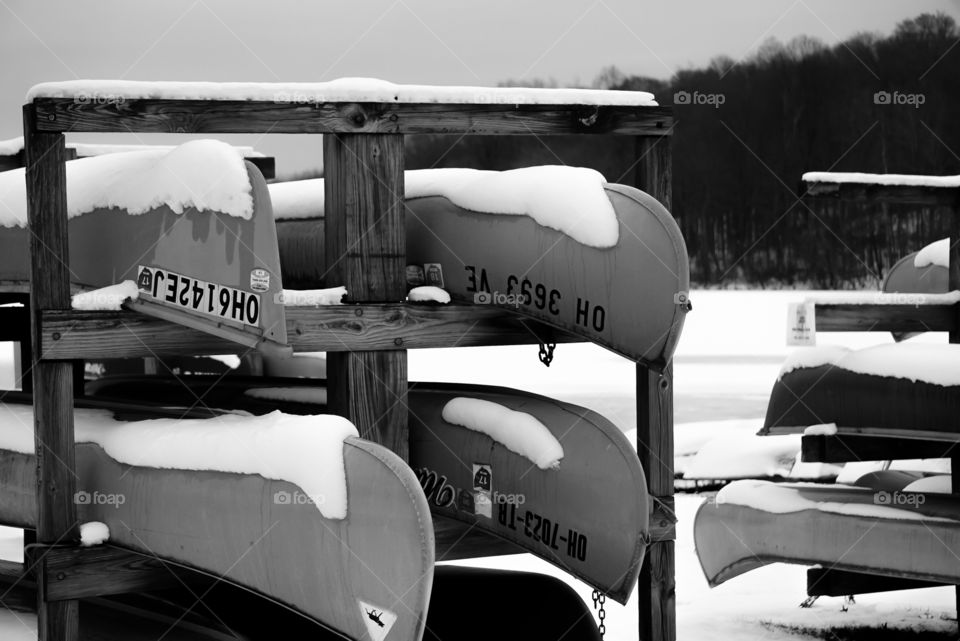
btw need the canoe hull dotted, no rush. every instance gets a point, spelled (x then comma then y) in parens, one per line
(239, 527)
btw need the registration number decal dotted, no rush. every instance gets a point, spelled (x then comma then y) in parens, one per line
(196, 295)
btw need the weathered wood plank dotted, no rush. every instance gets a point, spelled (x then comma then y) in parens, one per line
(827, 582)
(870, 193)
(365, 250)
(52, 381)
(656, 586)
(81, 573)
(99, 335)
(886, 318)
(212, 117)
(841, 448)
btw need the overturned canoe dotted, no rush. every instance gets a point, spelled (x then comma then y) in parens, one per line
(572, 515)
(630, 297)
(202, 255)
(265, 535)
(754, 523)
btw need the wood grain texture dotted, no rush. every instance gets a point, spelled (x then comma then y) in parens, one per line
(199, 116)
(52, 381)
(656, 586)
(394, 326)
(869, 193)
(365, 250)
(81, 573)
(886, 318)
(657, 583)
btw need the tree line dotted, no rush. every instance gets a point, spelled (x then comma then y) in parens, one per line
(747, 130)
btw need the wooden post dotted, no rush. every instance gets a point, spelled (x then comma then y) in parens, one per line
(656, 586)
(954, 337)
(52, 380)
(365, 249)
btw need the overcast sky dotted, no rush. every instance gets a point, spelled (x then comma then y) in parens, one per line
(414, 41)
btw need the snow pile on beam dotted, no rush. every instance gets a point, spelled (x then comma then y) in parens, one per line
(906, 180)
(339, 90)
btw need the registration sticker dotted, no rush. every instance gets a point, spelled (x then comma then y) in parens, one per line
(199, 296)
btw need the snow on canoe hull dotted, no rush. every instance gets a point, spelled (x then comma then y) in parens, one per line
(588, 517)
(856, 401)
(193, 251)
(624, 298)
(906, 278)
(840, 528)
(233, 525)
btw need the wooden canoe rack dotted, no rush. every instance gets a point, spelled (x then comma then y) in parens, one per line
(364, 165)
(873, 444)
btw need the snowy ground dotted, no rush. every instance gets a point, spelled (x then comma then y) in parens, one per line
(727, 361)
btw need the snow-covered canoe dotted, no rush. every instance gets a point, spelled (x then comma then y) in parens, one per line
(899, 534)
(904, 389)
(630, 297)
(266, 535)
(921, 272)
(192, 228)
(588, 515)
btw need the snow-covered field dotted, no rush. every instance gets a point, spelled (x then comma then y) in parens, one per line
(728, 359)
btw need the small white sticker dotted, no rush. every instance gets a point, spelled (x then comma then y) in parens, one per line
(801, 324)
(260, 280)
(378, 620)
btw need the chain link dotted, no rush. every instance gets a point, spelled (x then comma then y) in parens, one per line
(598, 604)
(546, 353)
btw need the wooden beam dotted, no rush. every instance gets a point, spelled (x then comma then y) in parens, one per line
(871, 193)
(886, 318)
(656, 586)
(52, 380)
(826, 582)
(266, 164)
(842, 448)
(224, 116)
(81, 573)
(365, 250)
(392, 326)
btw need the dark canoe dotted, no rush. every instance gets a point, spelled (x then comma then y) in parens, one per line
(214, 272)
(862, 403)
(232, 526)
(589, 517)
(856, 531)
(630, 298)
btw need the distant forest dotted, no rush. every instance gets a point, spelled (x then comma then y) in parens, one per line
(745, 133)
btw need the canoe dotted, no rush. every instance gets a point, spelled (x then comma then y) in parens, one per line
(630, 298)
(859, 402)
(253, 532)
(212, 271)
(906, 278)
(574, 516)
(751, 524)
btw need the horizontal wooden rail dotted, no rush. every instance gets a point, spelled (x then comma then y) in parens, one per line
(80, 573)
(291, 117)
(68, 335)
(886, 318)
(827, 582)
(876, 446)
(873, 193)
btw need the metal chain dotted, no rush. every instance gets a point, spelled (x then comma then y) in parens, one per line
(546, 353)
(598, 600)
